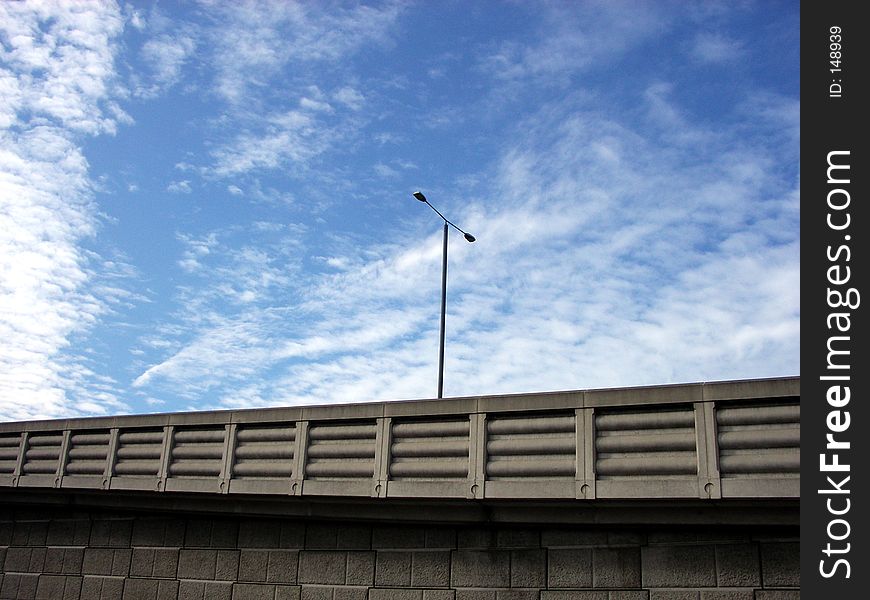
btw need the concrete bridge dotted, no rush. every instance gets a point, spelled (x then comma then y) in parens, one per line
(679, 492)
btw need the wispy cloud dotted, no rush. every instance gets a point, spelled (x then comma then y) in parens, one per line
(673, 266)
(56, 69)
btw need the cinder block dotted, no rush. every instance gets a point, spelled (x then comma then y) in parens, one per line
(321, 537)
(112, 588)
(60, 533)
(395, 594)
(480, 568)
(282, 566)
(573, 595)
(167, 589)
(72, 588)
(53, 562)
(386, 538)
(472, 594)
(227, 566)
(17, 559)
(528, 568)
(354, 538)
(50, 587)
(476, 537)
(441, 537)
(100, 533)
(572, 538)
(120, 533)
(165, 563)
(6, 532)
(292, 535)
(439, 594)
(616, 567)
(198, 533)
(430, 568)
(259, 534)
(683, 566)
(517, 594)
(628, 595)
(196, 564)
(626, 538)
(121, 558)
(148, 532)
(344, 592)
(737, 565)
(72, 561)
(288, 592)
(253, 591)
(316, 592)
(253, 565)
(142, 562)
(218, 590)
(91, 587)
(323, 567)
(96, 561)
(140, 589)
(191, 590)
(569, 568)
(518, 538)
(360, 568)
(393, 568)
(9, 585)
(778, 595)
(225, 534)
(727, 594)
(780, 564)
(37, 560)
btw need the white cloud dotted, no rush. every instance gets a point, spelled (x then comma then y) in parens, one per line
(57, 73)
(613, 257)
(179, 187)
(715, 48)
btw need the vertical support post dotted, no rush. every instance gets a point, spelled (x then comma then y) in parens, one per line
(62, 458)
(383, 443)
(585, 440)
(709, 481)
(476, 456)
(229, 457)
(111, 457)
(300, 456)
(165, 453)
(443, 314)
(22, 454)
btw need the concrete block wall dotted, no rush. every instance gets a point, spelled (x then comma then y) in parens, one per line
(68, 554)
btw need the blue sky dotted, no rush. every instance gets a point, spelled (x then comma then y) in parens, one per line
(208, 204)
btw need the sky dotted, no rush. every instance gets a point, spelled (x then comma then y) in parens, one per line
(207, 204)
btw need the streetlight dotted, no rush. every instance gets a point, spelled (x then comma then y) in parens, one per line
(470, 238)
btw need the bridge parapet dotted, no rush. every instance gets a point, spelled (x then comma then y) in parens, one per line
(704, 441)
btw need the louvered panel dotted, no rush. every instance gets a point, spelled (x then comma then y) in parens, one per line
(759, 440)
(645, 445)
(264, 451)
(430, 450)
(139, 452)
(341, 451)
(88, 452)
(197, 452)
(531, 447)
(43, 453)
(9, 445)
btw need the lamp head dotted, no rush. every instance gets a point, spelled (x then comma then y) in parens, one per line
(469, 237)
(419, 196)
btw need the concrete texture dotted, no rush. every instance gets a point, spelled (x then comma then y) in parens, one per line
(82, 559)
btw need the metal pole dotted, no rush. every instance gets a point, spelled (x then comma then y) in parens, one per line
(443, 314)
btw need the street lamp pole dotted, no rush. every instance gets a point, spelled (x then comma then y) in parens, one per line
(469, 238)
